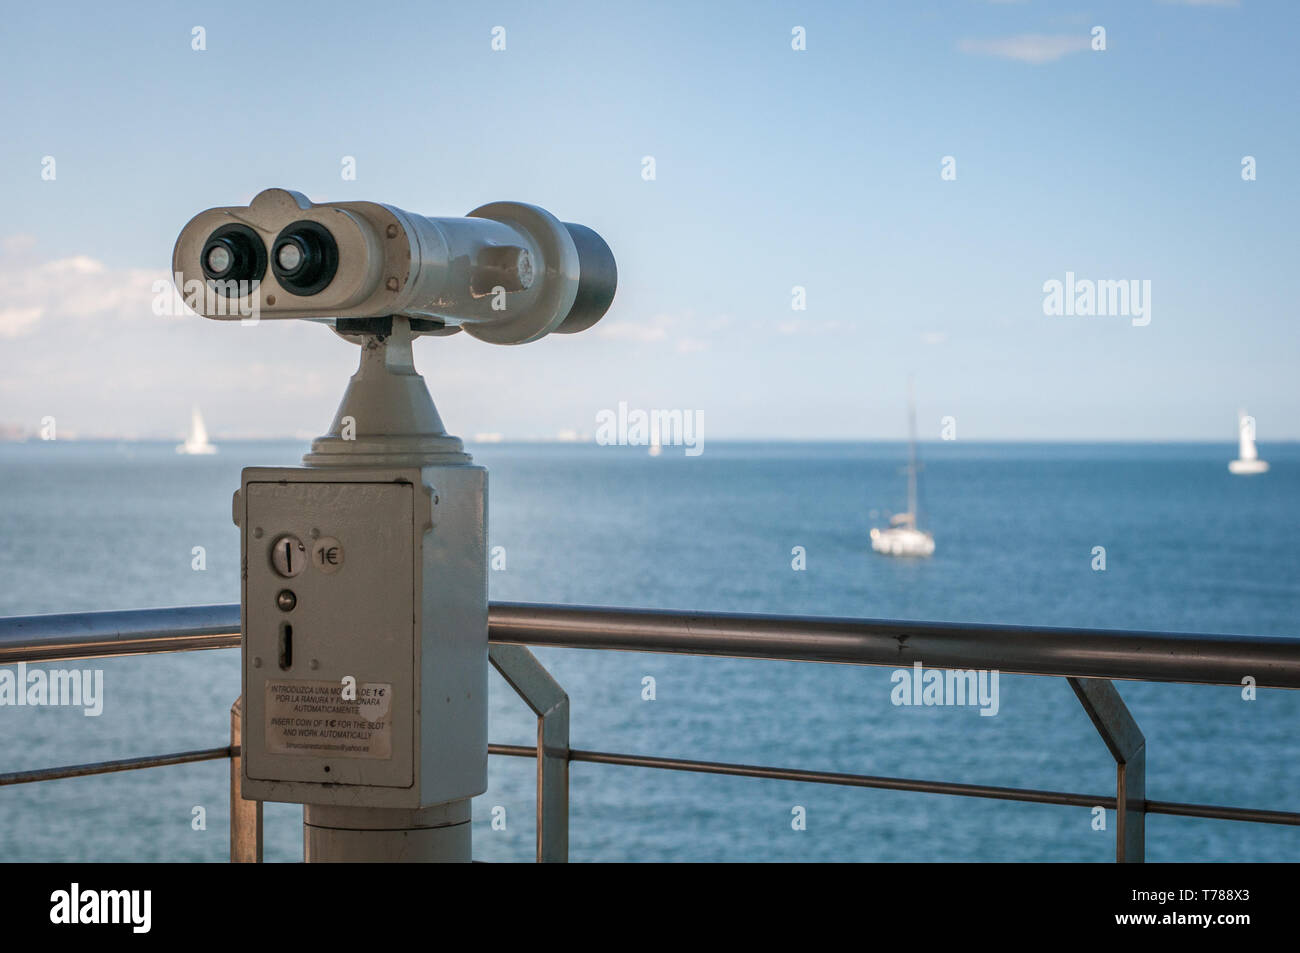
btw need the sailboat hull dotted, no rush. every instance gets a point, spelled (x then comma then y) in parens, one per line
(1247, 461)
(902, 541)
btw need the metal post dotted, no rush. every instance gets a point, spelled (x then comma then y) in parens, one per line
(399, 427)
(439, 834)
(1102, 701)
(549, 702)
(245, 816)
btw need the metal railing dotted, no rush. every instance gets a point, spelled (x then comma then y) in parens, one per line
(1087, 658)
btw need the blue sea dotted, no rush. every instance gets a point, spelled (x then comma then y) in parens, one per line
(1188, 548)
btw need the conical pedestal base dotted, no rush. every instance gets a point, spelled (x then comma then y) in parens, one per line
(387, 417)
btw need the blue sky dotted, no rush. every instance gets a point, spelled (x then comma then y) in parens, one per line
(774, 168)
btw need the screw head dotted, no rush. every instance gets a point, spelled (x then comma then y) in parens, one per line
(286, 600)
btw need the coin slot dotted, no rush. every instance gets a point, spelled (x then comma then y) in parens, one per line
(288, 556)
(286, 645)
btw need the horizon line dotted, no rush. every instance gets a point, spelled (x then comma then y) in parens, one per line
(217, 439)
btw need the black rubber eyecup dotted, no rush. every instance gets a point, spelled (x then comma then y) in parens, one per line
(245, 256)
(318, 258)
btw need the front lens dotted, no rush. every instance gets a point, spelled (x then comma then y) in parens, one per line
(290, 256)
(305, 258)
(220, 258)
(234, 260)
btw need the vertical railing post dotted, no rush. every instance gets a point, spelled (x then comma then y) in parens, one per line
(548, 701)
(1118, 729)
(245, 816)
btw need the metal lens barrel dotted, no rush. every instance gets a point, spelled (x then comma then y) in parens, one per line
(305, 258)
(233, 257)
(597, 280)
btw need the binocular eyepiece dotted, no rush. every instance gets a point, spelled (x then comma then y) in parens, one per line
(507, 273)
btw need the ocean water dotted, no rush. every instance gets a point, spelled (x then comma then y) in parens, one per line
(1188, 548)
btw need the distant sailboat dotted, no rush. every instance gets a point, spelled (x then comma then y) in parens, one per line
(197, 441)
(902, 537)
(655, 447)
(1248, 460)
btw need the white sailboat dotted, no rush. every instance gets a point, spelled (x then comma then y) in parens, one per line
(902, 537)
(197, 440)
(1248, 460)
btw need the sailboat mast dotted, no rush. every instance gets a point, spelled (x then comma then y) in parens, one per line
(911, 453)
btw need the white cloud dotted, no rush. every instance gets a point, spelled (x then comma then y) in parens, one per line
(626, 331)
(15, 321)
(662, 327)
(1035, 48)
(808, 326)
(67, 289)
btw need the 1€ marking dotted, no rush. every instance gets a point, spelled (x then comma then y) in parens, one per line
(327, 555)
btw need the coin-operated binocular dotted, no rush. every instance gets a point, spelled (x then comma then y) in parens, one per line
(364, 596)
